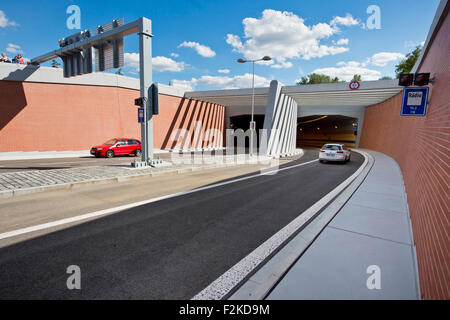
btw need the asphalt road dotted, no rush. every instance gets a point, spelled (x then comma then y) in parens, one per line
(170, 249)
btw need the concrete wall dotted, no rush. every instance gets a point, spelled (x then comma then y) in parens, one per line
(53, 113)
(421, 145)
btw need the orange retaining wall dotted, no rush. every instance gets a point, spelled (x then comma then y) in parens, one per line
(421, 145)
(47, 117)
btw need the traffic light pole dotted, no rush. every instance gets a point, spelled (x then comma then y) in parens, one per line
(84, 41)
(145, 64)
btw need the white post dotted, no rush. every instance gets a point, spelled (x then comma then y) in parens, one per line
(252, 122)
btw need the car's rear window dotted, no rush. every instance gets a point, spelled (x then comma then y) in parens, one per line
(331, 147)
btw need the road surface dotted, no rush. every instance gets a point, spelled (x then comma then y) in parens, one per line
(170, 249)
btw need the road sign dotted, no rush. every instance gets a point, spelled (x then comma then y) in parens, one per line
(109, 54)
(141, 115)
(354, 85)
(415, 101)
(355, 127)
(77, 61)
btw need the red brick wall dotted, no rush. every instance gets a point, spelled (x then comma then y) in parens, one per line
(421, 145)
(45, 116)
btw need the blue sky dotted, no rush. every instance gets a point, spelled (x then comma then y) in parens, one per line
(197, 42)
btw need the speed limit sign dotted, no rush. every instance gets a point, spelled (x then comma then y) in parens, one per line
(354, 85)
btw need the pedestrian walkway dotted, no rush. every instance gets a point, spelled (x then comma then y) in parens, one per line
(366, 251)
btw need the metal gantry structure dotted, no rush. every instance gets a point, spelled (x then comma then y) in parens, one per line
(76, 52)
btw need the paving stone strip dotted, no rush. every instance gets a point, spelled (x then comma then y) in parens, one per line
(45, 178)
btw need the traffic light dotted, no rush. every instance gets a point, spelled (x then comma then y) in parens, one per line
(139, 102)
(154, 98)
(422, 79)
(406, 79)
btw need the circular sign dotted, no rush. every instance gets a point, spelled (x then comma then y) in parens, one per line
(354, 85)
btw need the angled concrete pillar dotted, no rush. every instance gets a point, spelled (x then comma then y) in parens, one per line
(280, 122)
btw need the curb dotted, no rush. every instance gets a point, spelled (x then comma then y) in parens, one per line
(259, 285)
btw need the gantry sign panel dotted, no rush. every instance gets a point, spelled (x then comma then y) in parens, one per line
(109, 53)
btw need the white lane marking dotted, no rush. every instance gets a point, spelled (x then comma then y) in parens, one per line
(231, 278)
(52, 224)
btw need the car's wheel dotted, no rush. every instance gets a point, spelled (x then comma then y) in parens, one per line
(138, 153)
(348, 160)
(321, 161)
(110, 154)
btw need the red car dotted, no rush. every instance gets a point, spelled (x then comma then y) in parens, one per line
(117, 147)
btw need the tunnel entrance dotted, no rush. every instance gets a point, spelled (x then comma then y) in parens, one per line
(243, 122)
(317, 130)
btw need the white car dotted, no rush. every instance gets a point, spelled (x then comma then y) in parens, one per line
(334, 152)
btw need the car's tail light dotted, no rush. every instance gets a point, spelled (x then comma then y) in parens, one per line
(322, 150)
(340, 152)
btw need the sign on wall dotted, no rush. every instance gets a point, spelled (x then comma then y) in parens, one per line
(354, 85)
(415, 101)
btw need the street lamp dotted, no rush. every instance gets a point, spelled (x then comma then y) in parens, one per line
(252, 122)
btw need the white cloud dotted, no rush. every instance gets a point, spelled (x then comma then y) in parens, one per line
(381, 59)
(5, 22)
(175, 55)
(341, 42)
(349, 63)
(282, 65)
(223, 71)
(283, 36)
(223, 82)
(14, 48)
(160, 64)
(412, 44)
(347, 71)
(183, 84)
(347, 21)
(202, 50)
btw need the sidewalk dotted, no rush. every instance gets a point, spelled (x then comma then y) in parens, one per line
(372, 229)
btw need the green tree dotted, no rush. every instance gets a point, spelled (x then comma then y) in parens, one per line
(385, 78)
(315, 78)
(406, 65)
(357, 77)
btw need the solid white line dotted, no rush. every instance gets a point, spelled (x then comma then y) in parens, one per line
(236, 274)
(48, 225)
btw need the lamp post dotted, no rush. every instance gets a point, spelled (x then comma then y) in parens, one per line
(252, 122)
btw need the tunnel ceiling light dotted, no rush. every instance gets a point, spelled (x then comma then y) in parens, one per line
(317, 119)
